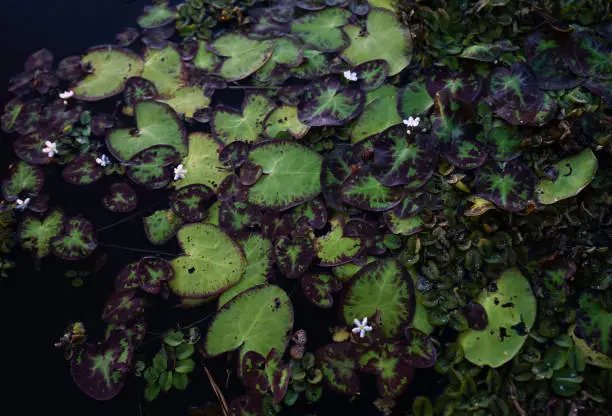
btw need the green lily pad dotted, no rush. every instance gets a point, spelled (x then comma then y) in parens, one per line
(247, 125)
(364, 191)
(334, 249)
(156, 124)
(284, 123)
(291, 175)
(205, 59)
(414, 100)
(202, 163)
(200, 273)
(156, 16)
(386, 39)
(35, 234)
(161, 226)
(403, 226)
(287, 54)
(188, 100)
(76, 242)
(591, 356)
(165, 69)
(575, 173)
(314, 65)
(243, 56)
(321, 29)
(381, 285)
(260, 319)
(481, 52)
(594, 324)
(327, 102)
(379, 113)
(511, 311)
(111, 68)
(23, 177)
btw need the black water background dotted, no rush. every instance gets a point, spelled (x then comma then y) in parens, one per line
(31, 300)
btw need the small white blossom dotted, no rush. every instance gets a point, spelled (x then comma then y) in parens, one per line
(412, 122)
(50, 148)
(22, 204)
(179, 172)
(103, 160)
(361, 327)
(66, 94)
(351, 76)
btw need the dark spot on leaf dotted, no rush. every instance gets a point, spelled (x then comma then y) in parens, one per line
(277, 304)
(503, 333)
(191, 270)
(496, 301)
(508, 305)
(520, 329)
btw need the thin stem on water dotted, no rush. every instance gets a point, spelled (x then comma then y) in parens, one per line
(121, 221)
(139, 250)
(250, 87)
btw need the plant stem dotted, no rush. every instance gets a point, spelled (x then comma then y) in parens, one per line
(217, 391)
(249, 87)
(121, 221)
(139, 250)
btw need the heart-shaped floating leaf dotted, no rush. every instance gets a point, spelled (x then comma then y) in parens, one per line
(35, 234)
(76, 242)
(189, 202)
(249, 174)
(321, 30)
(238, 218)
(11, 112)
(379, 113)
(101, 123)
(120, 197)
(156, 124)
(546, 57)
(137, 89)
(291, 175)
(259, 319)
(205, 59)
(509, 185)
(287, 53)
(336, 168)
(188, 100)
(463, 86)
(327, 102)
(157, 15)
(516, 89)
(136, 330)
(30, 148)
(243, 55)
(511, 310)
(482, 52)
(247, 125)
(232, 190)
(318, 289)
(259, 255)
(83, 170)
(111, 67)
(41, 59)
(100, 370)
(284, 123)
(294, 257)
(314, 212)
(381, 285)
(386, 39)
(127, 36)
(465, 151)
(23, 178)
(574, 174)
(419, 350)
(393, 374)
(503, 142)
(234, 154)
(264, 374)
(315, 64)
(590, 55)
(122, 307)
(152, 167)
(202, 162)
(127, 279)
(338, 364)
(365, 192)
(594, 324)
(591, 356)
(165, 69)
(152, 272)
(161, 226)
(372, 74)
(334, 248)
(403, 226)
(199, 273)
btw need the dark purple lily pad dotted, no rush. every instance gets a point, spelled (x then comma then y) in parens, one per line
(39, 203)
(189, 49)
(127, 279)
(509, 185)
(274, 226)
(122, 307)
(238, 218)
(318, 289)
(70, 69)
(263, 374)
(157, 38)
(359, 7)
(283, 11)
(339, 367)
(23, 177)
(231, 190)
(504, 142)
(310, 4)
(45, 81)
(463, 86)
(152, 272)
(328, 102)
(137, 89)
(601, 87)
(83, 170)
(368, 231)
(29, 117)
(419, 350)
(365, 192)
(250, 173)
(476, 316)
(589, 55)
(157, 15)
(234, 154)
(100, 370)
(127, 36)
(21, 84)
(372, 74)
(30, 148)
(452, 120)
(41, 60)
(151, 167)
(135, 329)
(264, 25)
(77, 241)
(336, 3)
(190, 202)
(516, 87)
(294, 257)
(393, 374)
(121, 197)
(545, 113)
(314, 211)
(101, 123)
(466, 152)
(546, 56)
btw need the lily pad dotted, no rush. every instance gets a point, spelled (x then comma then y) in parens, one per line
(161, 226)
(379, 113)
(23, 177)
(318, 289)
(504, 142)
(111, 67)
(165, 69)
(77, 241)
(575, 173)
(238, 218)
(284, 123)
(403, 226)
(334, 248)
(385, 360)
(249, 174)
(190, 202)
(365, 192)
(127, 279)
(30, 148)
(291, 175)
(327, 102)
(122, 307)
(83, 170)
(263, 374)
(314, 65)
(386, 39)
(157, 15)
(512, 305)
(590, 55)
(287, 54)
(11, 112)
(156, 124)
(419, 351)
(509, 185)
(202, 163)
(594, 324)
(152, 272)
(35, 234)
(42, 60)
(321, 29)
(137, 89)
(205, 59)
(372, 74)
(234, 154)
(381, 285)
(293, 258)
(152, 167)
(121, 197)
(339, 367)
(200, 273)
(260, 319)
(314, 212)
(243, 55)
(188, 100)
(463, 86)
(247, 125)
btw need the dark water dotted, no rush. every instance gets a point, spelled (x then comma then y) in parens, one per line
(37, 305)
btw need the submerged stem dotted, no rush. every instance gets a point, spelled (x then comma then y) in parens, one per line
(140, 250)
(121, 221)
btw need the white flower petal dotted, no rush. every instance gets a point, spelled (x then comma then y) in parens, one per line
(356, 330)
(357, 322)
(367, 328)
(362, 333)
(365, 321)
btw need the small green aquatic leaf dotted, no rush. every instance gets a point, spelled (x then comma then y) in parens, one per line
(385, 360)
(482, 52)
(339, 367)
(414, 100)
(511, 311)
(23, 177)
(161, 226)
(188, 100)
(509, 185)
(259, 319)
(165, 69)
(11, 112)
(111, 68)
(157, 15)
(137, 89)
(386, 39)
(334, 249)
(594, 324)
(575, 173)
(364, 191)
(321, 29)
(122, 307)
(314, 65)
(190, 202)
(76, 242)
(566, 382)
(121, 197)
(381, 285)
(372, 74)
(246, 125)
(202, 162)
(200, 273)
(83, 170)
(503, 142)
(327, 102)
(318, 289)
(243, 55)
(287, 54)
(152, 272)
(291, 175)
(152, 167)
(379, 113)
(590, 356)
(590, 55)
(284, 123)
(35, 235)
(205, 59)
(293, 257)
(157, 123)
(403, 226)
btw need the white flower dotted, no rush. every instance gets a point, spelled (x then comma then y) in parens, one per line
(351, 76)
(22, 204)
(179, 172)
(361, 327)
(412, 122)
(50, 148)
(66, 94)
(103, 160)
